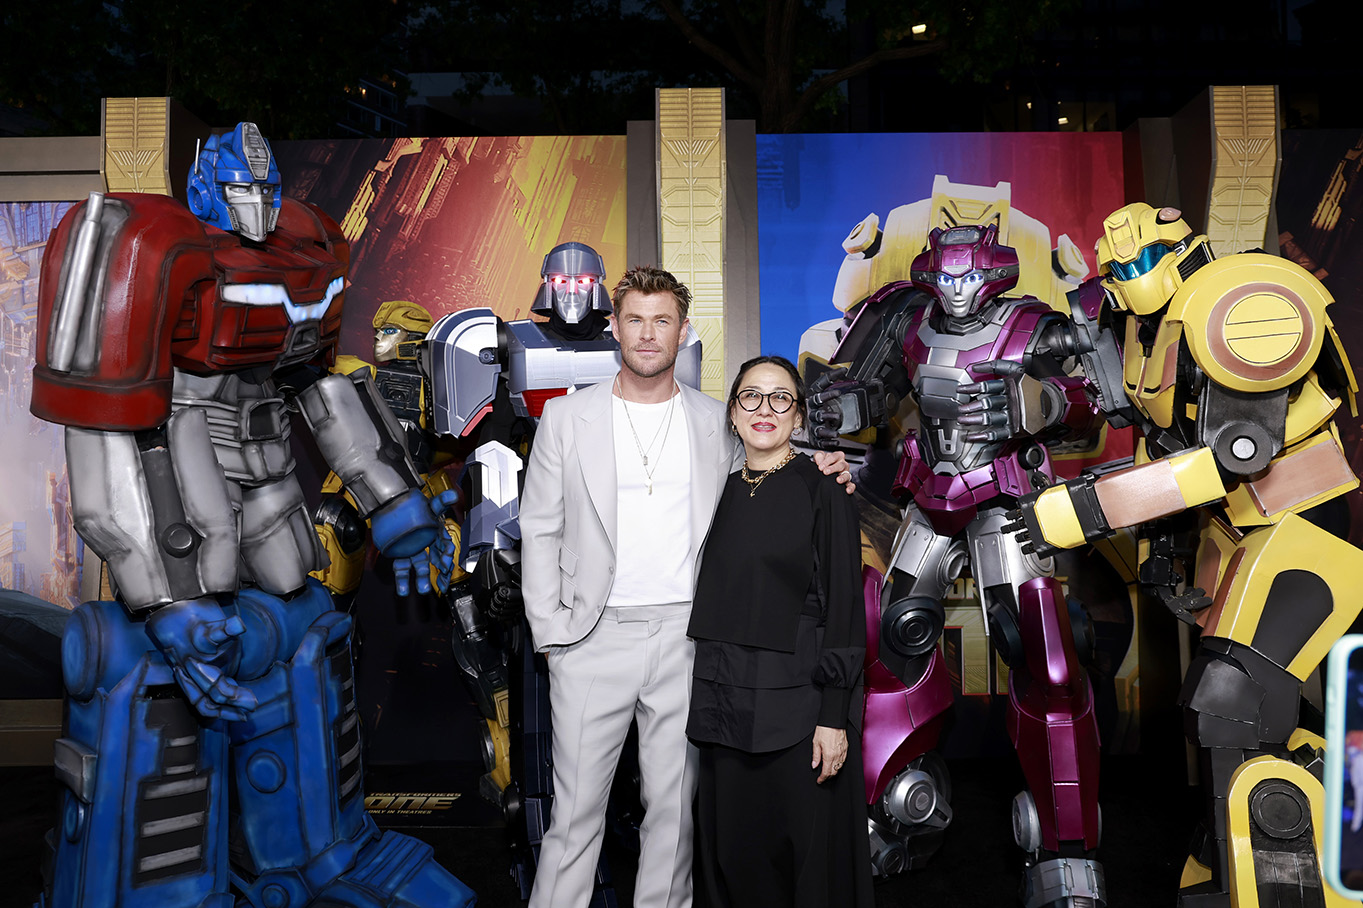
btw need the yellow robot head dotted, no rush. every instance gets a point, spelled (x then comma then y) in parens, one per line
(1145, 255)
(398, 325)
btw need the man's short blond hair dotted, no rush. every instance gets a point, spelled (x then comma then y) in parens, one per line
(647, 279)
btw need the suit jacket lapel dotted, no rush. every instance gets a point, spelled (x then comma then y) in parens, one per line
(705, 468)
(595, 444)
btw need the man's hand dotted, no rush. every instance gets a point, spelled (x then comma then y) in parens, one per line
(1008, 406)
(835, 463)
(830, 751)
(197, 638)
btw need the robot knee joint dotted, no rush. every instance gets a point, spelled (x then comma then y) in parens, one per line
(1236, 697)
(910, 627)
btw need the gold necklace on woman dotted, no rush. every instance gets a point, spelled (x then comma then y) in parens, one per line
(663, 428)
(754, 483)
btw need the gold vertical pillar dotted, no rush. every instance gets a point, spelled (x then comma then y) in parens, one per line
(1245, 155)
(136, 134)
(691, 212)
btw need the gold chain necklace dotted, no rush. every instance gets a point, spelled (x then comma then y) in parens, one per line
(664, 429)
(754, 483)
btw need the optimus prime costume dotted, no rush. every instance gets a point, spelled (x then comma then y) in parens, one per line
(210, 753)
(491, 379)
(986, 374)
(1235, 373)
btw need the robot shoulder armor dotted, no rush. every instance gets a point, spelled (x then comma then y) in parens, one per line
(303, 219)
(348, 365)
(1253, 322)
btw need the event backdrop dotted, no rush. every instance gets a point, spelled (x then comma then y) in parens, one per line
(454, 223)
(813, 189)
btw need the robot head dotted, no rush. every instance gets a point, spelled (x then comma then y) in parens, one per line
(1145, 255)
(963, 267)
(234, 184)
(397, 326)
(573, 274)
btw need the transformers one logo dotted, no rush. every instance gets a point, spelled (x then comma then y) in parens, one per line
(409, 803)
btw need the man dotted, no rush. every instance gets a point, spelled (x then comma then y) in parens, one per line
(623, 481)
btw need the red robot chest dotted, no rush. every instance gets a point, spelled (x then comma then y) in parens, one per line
(133, 286)
(268, 304)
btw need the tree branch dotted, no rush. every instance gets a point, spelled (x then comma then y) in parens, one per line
(822, 84)
(709, 48)
(785, 53)
(739, 28)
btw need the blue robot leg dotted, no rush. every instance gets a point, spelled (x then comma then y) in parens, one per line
(144, 805)
(300, 834)
(528, 800)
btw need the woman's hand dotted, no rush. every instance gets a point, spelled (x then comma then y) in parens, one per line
(830, 749)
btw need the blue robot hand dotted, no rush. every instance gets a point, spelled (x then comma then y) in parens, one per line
(197, 638)
(409, 530)
(442, 552)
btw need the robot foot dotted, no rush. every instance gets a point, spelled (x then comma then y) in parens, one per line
(390, 871)
(396, 871)
(1064, 883)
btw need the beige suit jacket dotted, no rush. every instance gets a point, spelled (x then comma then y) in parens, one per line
(568, 507)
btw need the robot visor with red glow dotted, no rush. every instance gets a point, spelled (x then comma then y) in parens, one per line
(572, 288)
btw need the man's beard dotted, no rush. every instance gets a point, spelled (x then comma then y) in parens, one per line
(648, 369)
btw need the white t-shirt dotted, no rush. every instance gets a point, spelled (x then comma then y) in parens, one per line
(653, 564)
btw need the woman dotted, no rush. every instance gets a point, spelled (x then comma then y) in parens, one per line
(776, 699)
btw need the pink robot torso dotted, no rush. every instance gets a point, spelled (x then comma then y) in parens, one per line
(948, 476)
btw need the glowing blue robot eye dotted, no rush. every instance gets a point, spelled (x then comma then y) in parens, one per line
(1148, 258)
(974, 277)
(945, 280)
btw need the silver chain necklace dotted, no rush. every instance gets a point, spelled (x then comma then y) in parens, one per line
(664, 428)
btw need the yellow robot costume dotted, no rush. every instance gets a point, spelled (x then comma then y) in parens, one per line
(1235, 372)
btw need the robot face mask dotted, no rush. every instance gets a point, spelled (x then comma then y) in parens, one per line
(1144, 253)
(386, 340)
(398, 324)
(959, 293)
(234, 184)
(964, 267)
(573, 275)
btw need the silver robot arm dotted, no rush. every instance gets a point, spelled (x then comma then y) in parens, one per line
(156, 508)
(360, 439)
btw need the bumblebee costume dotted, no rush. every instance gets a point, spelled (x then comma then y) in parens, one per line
(1235, 372)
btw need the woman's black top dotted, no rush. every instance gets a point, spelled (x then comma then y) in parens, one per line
(778, 618)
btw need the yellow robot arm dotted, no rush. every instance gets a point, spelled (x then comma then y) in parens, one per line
(1092, 507)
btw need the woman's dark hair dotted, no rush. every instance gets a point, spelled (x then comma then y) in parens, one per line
(801, 405)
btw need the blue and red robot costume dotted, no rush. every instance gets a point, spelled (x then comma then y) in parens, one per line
(210, 754)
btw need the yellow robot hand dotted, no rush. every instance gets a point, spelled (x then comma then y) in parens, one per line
(1061, 517)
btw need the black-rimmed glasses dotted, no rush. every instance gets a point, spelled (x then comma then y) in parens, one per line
(779, 401)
